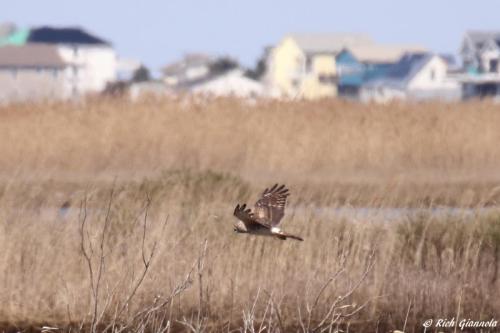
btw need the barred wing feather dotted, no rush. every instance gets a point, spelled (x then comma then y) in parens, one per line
(271, 205)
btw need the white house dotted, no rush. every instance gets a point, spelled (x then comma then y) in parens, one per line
(232, 83)
(417, 76)
(480, 52)
(92, 61)
(207, 75)
(191, 68)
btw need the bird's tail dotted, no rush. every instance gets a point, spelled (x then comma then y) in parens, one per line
(284, 236)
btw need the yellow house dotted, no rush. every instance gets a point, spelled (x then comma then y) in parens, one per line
(303, 65)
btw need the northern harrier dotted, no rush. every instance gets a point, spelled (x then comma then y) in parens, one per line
(268, 212)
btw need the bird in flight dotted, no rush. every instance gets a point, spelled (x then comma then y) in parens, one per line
(267, 214)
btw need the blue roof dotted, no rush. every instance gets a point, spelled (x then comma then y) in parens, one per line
(407, 66)
(404, 70)
(63, 36)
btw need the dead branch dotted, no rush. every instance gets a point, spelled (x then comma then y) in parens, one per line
(146, 260)
(199, 325)
(277, 310)
(336, 304)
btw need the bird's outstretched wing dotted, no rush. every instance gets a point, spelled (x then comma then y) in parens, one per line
(271, 205)
(245, 215)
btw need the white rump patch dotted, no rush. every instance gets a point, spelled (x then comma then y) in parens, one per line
(241, 226)
(276, 230)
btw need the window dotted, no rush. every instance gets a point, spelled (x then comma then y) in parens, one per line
(433, 74)
(308, 64)
(295, 83)
(327, 79)
(300, 64)
(493, 65)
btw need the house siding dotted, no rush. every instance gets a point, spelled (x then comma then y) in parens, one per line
(432, 76)
(432, 83)
(286, 68)
(93, 67)
(30, 84)
(319, 81)
(353, 73)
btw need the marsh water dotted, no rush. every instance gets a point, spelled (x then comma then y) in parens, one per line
(388, 214)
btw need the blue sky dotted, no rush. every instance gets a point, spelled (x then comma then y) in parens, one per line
(157, 32)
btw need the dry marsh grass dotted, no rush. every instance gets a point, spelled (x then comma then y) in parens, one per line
(146, 242)
(313, 141)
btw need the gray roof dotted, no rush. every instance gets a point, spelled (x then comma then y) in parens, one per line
(379, 53)
(30, 55)
(188, 61)
(479, 38)
(329, 42)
